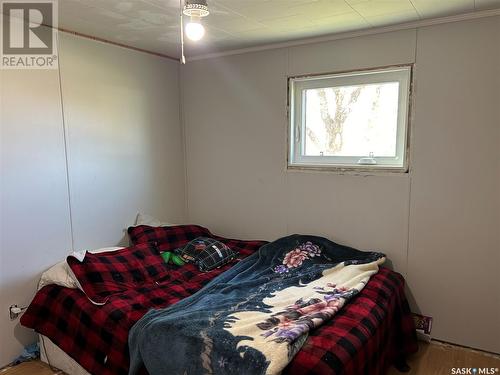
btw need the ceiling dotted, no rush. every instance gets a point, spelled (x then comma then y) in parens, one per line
(153, 25)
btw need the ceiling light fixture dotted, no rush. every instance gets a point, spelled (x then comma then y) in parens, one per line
(196, 10)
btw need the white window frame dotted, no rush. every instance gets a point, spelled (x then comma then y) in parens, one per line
(296, 142)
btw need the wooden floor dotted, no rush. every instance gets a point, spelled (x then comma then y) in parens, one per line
(439, 358)
(432, 359)
(31, 368)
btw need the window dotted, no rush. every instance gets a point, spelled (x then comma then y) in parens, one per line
(354, 120)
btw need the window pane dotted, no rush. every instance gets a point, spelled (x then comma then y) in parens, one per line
(351, 120)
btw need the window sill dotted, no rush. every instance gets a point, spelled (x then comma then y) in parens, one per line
(361, 170)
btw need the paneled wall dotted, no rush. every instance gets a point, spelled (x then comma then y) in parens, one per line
(454, 249)
(438, 224)
(124, 150)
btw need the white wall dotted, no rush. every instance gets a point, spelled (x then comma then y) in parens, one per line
(35, 228)
(454, 251)
(124, 139)
(236, 126)
(438, 224)
(125, 146)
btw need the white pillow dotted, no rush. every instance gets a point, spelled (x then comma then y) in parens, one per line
(144, 219)
(61, 274)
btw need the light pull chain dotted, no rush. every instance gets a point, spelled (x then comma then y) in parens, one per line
(183, 58)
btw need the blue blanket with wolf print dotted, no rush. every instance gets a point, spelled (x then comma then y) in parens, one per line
(253, 318)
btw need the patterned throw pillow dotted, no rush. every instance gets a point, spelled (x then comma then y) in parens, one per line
(207, 253)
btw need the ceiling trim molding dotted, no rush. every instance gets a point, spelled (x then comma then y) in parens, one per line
(106, 41)
(353, 34)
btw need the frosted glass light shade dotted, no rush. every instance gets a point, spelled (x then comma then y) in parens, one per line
(195, 31)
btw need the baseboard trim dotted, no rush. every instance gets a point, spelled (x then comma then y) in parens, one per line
(447, 343)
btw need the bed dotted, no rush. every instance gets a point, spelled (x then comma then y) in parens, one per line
(372, 332)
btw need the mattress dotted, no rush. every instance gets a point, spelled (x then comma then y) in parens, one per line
(54, 356)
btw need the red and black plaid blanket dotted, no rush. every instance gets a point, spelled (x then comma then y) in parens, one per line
(366, 336)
